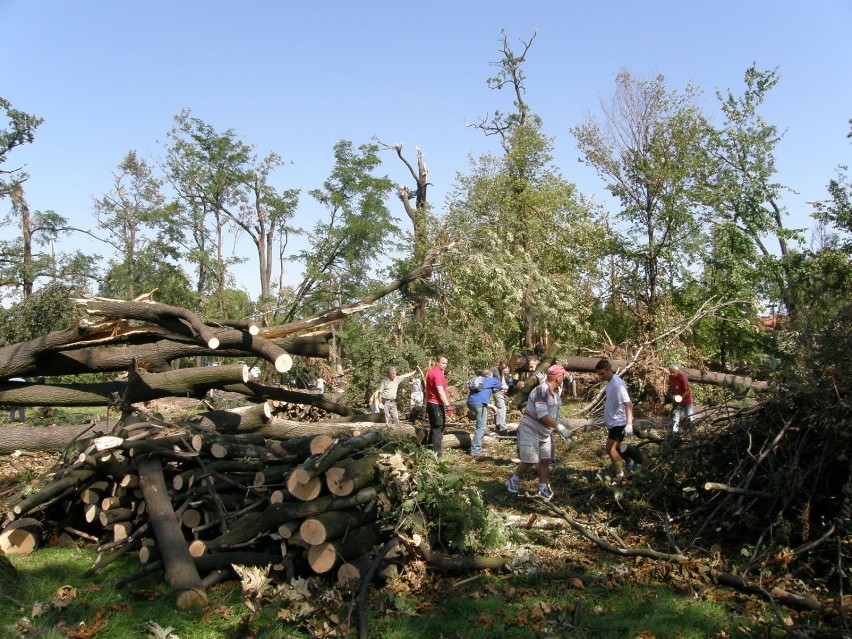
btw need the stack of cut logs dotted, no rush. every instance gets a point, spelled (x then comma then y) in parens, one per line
(192, 504)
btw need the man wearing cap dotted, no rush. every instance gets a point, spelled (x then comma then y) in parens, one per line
(388, 389)
(618, 414)
(534, 432)
(681, 394)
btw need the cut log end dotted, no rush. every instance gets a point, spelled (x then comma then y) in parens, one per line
(306, 491)
(313, 532)
(21, 537)
(187, 599)
(283, 363)
(321, 558)
(213, 343)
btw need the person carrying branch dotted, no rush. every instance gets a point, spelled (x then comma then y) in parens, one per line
(680, 393)
(534, 432)
(618, 415)
(388, 389)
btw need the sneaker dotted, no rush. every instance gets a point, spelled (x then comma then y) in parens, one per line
(545, 491)
(631, 465)
(618, 479)
(512, 485)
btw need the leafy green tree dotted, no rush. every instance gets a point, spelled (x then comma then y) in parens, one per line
(266, 218)
(134, 219)
(823, 275)
(519, 278)
(49, 309)
(835, 213)
(207, 170)
(32, 254)
(21, 263)
(650, 148)
(745, 199)
(743, 219)
(22, 127)
(348, 242)
(222, 185)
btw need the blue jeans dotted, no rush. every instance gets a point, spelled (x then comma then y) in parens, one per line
(500, 405)
(682, 412)
(481, 426)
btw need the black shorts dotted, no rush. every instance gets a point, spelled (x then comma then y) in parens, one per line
(616, 433)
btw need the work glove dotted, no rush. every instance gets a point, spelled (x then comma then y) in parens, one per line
(628, 430)
(564, 433)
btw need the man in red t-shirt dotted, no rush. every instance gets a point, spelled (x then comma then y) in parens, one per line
(437, 402)
(681, 395)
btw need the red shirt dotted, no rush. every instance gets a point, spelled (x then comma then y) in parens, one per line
(434, 378)
(679, 385)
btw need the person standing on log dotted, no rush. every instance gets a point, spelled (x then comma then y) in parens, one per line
(480, 391)
(501, 374)
(437, 402)
(388, 389)
(680, 393)
(618, 415)
(535, 431)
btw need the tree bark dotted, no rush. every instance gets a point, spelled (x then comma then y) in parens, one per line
(181, 572)
(140, 387)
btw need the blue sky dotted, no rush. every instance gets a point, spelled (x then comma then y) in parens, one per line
(296, 77)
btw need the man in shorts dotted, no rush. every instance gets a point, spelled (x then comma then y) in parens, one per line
(618, 415)
(534, 432)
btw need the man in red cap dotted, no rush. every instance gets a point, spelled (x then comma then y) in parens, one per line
(534, 432)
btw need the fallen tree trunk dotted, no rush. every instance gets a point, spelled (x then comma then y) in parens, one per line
(57, 438)
(157, 354)
(140, 387)
(695, 375)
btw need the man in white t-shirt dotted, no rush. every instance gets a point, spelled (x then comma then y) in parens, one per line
(618, 414)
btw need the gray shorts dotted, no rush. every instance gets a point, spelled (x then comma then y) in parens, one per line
(532, 447)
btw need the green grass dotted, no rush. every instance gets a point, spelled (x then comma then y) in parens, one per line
(121, 612)
(492, 608)
(480, 607)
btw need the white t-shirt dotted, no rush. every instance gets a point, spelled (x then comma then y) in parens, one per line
(320, 384)
(616, 396)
